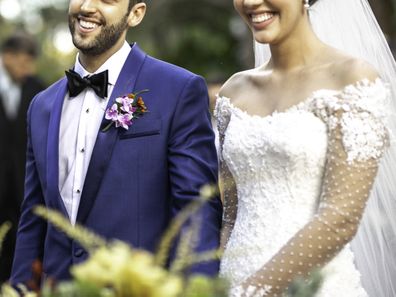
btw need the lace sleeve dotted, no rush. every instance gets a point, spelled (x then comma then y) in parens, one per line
(227, 183)
(357, 138)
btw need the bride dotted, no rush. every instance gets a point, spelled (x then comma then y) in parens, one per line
(305, 143)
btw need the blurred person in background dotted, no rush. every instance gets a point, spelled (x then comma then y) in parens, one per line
(18, 85)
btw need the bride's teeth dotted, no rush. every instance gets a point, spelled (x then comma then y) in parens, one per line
(258, 18)
(88, 25)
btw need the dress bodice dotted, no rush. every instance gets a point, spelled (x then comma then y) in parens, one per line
(278, 164)
(277, 161)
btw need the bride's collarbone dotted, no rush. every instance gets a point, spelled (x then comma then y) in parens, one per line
(267, 101)
(272, 95)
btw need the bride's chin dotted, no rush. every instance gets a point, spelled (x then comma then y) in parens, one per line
(263, 40)
(264, 37)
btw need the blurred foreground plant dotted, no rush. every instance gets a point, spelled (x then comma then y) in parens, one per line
(4, 228)
(306, 288)
(115, 269)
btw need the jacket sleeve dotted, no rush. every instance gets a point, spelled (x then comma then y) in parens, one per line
(192, 160)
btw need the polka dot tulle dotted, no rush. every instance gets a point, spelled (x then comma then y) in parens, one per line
(295, 188)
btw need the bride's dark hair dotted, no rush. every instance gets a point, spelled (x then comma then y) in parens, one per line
(312, 2)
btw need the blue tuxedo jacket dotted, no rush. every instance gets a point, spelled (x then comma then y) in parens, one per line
(137, 180)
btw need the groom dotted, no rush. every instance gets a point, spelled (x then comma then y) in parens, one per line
(122, 183)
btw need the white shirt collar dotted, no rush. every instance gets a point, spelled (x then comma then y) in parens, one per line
(5, 80)
(10, 93)
(113, 64)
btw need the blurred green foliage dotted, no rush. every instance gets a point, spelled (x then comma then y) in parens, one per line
(194, 34)
(204, 36)
(306, 288)
(51, 63)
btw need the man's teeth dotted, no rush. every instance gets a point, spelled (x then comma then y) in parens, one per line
(88, 25)
(258, 18)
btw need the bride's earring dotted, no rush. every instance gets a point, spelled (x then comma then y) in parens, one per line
(306, 4)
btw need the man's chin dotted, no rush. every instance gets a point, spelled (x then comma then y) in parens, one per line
(90, 51)
(87, 48)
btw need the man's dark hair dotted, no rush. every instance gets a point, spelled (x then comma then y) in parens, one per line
(132, 3)
(312, 2)
(20, 42)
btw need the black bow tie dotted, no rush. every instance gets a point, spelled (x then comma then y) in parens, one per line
(76, 84)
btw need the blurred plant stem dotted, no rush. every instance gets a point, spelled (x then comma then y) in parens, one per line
(4, 228)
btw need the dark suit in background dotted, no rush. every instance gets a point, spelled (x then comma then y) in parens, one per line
(13, 139)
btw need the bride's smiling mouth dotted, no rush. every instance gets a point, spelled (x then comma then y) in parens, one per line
(261, 20)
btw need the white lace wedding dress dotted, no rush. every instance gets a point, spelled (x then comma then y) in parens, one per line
(303, 177)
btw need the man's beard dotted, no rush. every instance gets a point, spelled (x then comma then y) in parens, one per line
(108, 36)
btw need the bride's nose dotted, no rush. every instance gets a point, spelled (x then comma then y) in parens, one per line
(252, 2)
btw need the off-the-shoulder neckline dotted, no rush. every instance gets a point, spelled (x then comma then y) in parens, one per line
(320, 92)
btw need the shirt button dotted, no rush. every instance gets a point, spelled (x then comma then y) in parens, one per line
(78, 191)
(82, 150)
(78, 253)
(87, 110)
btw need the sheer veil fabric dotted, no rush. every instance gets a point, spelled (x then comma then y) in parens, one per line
(350, 26)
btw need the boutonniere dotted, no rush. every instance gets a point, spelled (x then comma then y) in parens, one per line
(125, 110)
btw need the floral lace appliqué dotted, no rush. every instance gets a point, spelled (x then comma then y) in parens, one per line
(360, 112)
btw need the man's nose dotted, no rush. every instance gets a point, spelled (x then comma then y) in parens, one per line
(89, 6)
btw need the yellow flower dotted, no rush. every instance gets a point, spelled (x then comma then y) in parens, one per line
(129, 272)
(147, 279)
(8, 291)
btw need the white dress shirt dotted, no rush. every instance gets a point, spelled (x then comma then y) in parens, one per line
(10, 93)
(80, 122)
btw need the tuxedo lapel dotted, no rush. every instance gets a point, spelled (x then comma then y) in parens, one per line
(105, 141)
(55, 200)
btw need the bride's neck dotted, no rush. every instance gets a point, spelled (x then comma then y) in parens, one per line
(298, 50)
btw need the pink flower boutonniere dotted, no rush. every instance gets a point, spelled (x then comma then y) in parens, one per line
(124, 110)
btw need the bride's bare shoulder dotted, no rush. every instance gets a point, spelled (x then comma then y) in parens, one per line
(350, 70)
(237, 83)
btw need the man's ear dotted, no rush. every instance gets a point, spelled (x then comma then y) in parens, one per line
(136, 14)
